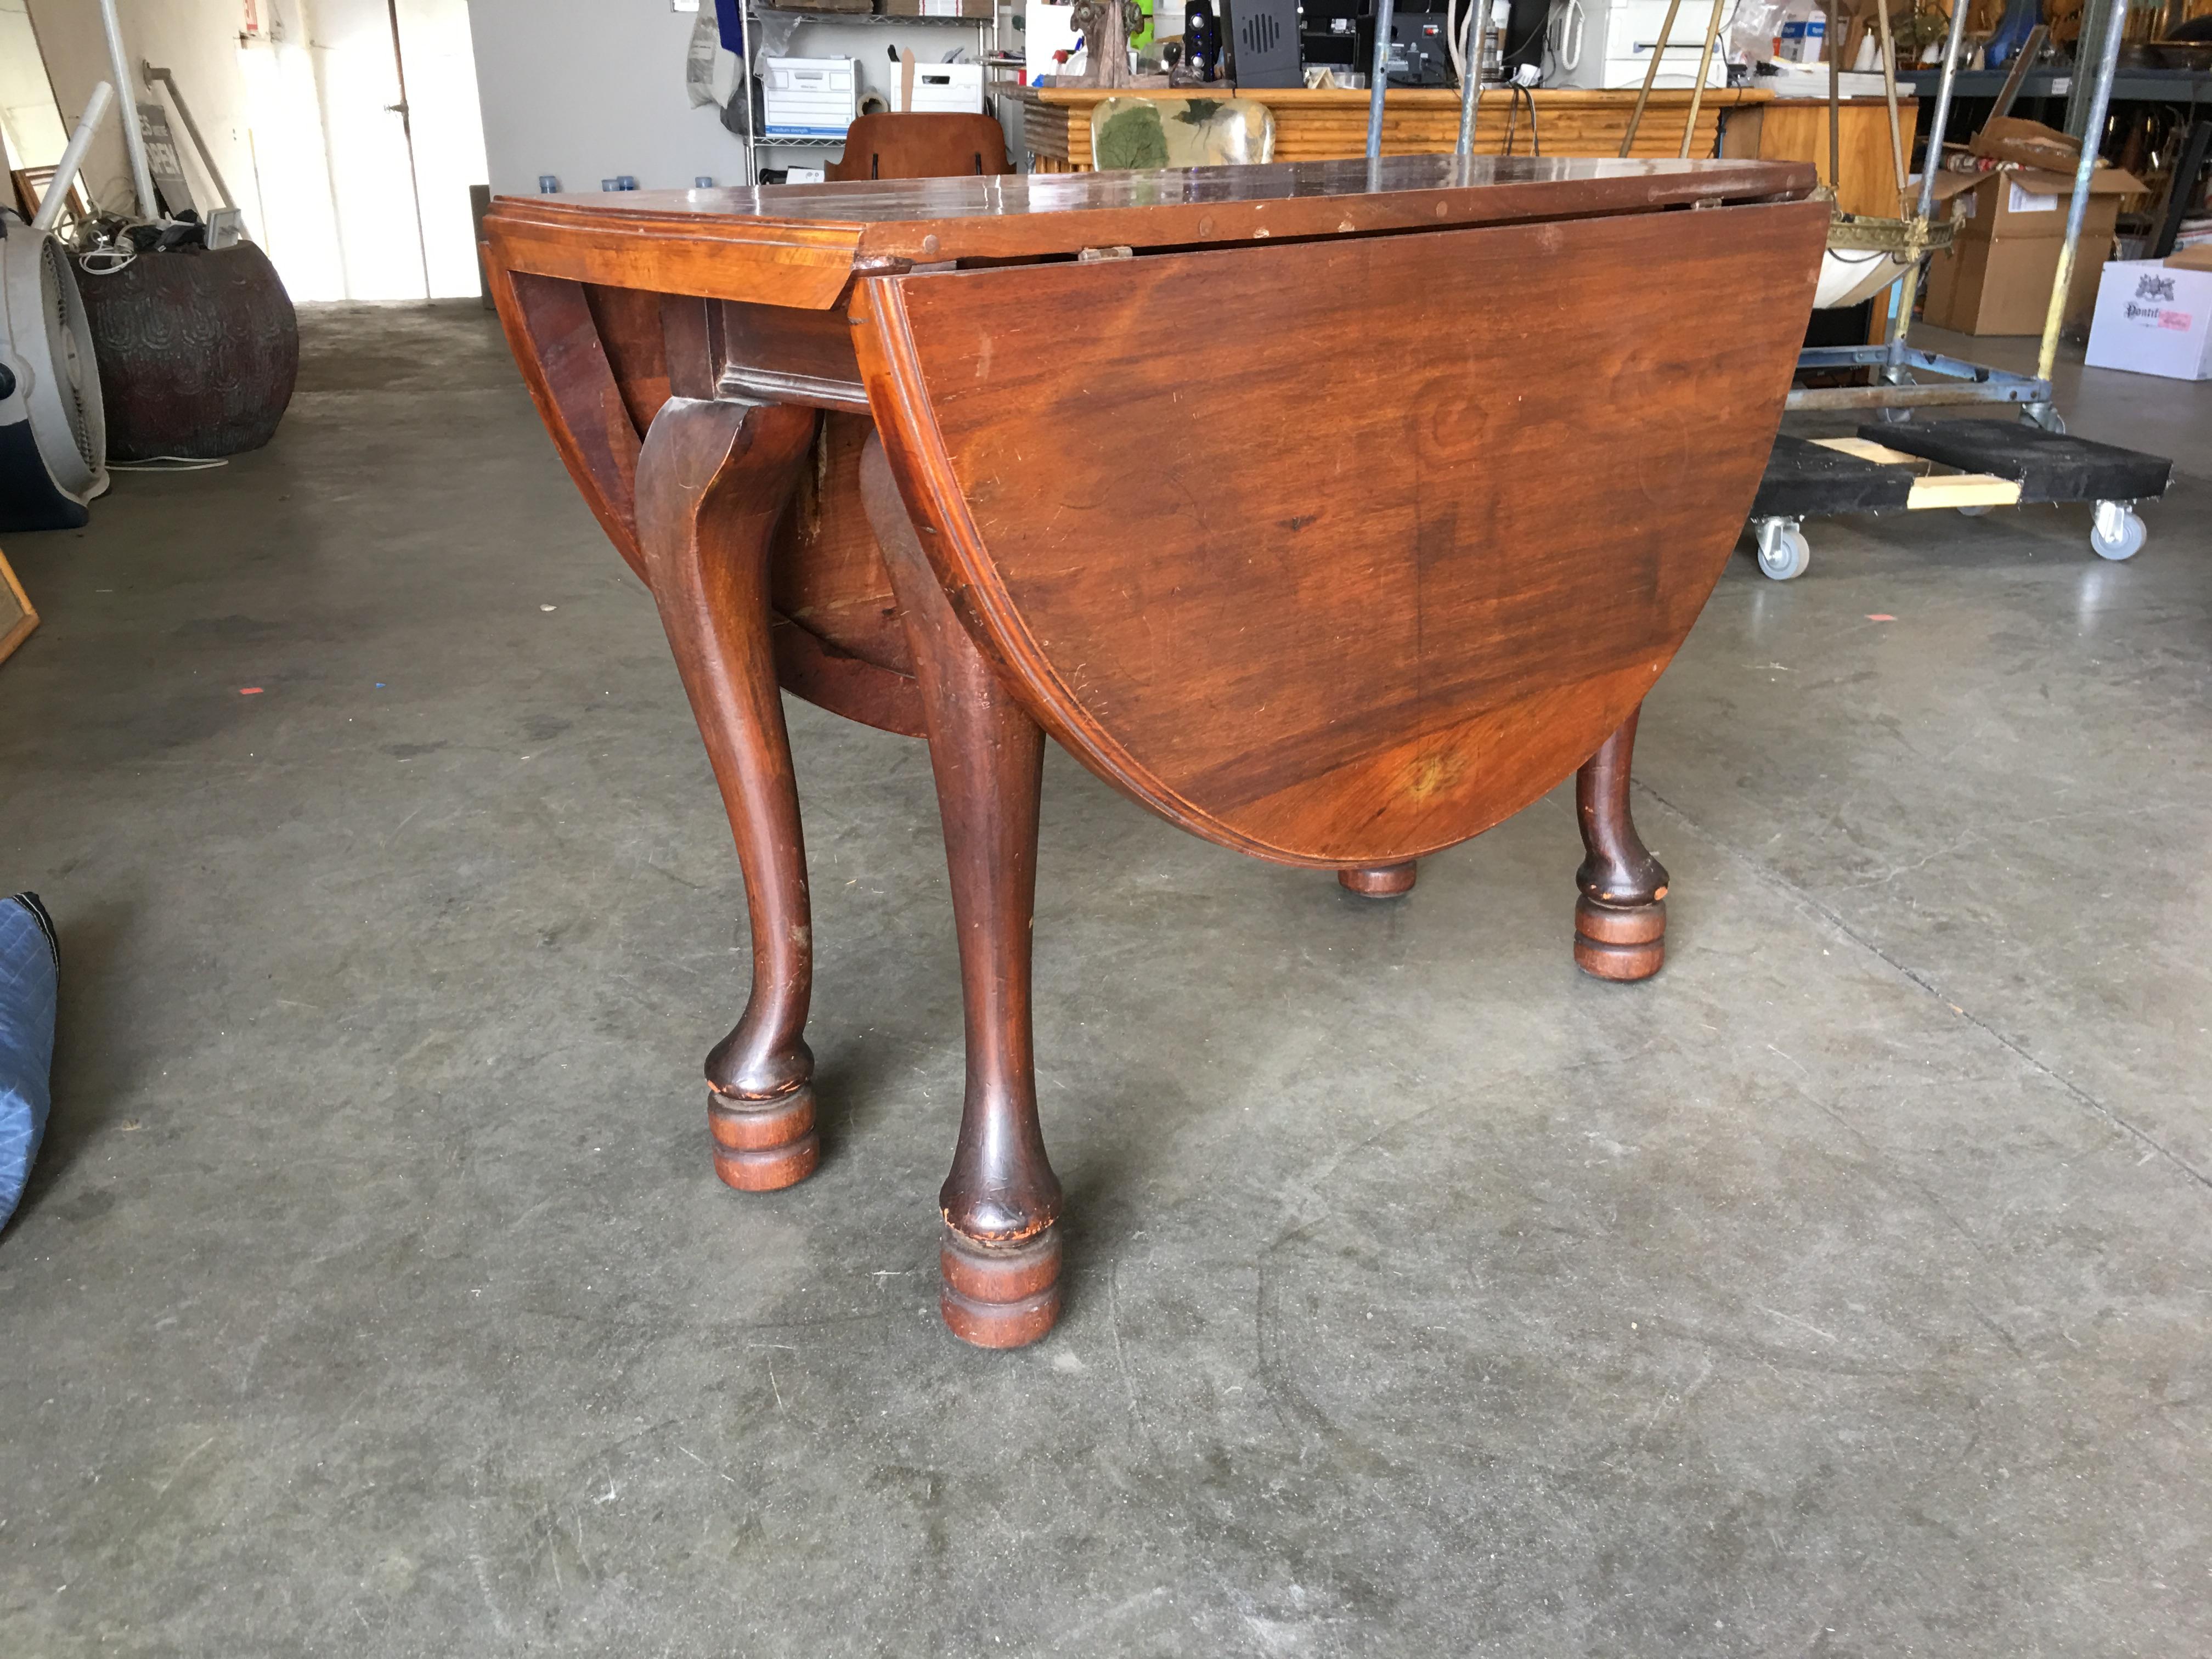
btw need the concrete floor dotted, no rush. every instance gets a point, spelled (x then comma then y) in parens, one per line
(1845, 1290)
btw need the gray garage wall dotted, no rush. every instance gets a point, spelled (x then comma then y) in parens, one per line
(590, 88)
(587, 90)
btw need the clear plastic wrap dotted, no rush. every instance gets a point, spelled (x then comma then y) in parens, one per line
(1754, 27)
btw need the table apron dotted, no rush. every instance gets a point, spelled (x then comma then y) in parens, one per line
(777, 353)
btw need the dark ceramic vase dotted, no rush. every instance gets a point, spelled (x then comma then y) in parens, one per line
(197, 351)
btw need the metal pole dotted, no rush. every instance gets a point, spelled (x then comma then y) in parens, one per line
(1889, 91)
(1650, 74)
(1831, 47)
(1908, 287)
(1470, 78)
(58, 188)
(1381, 77)
(2092, 133)
(192, 127)
(750, 139)
(743, 50)
(2090, 31)
(142, 177)
(1705, 65)
(1934, 156)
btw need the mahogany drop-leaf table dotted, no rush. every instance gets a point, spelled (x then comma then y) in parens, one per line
(1333, 511)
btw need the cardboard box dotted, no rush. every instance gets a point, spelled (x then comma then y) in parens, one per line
(1803, 40)
(955, 89)
(2001, 285)
(981, 10)
(2198, 257)
(2025, 144)
(2153, 318)
(1997, 277)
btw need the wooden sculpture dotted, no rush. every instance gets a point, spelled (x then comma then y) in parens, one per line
(1106, 26)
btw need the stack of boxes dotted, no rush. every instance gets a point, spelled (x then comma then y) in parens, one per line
(818, 97)
(1997, 277)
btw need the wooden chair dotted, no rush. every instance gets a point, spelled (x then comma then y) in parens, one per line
(921, 146)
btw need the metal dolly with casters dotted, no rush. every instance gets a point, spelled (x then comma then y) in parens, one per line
(1967, 465)
(1894, 463)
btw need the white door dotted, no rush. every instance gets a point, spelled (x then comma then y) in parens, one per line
(440, 64)
(372, 181)
(397, 85)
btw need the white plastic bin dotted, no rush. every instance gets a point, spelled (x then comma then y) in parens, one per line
(950, 89)
(807, 97)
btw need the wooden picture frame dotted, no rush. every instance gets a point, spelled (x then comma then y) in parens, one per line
(17, 618)
(31, 185)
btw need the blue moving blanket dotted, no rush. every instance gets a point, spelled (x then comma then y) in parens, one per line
(30, 974)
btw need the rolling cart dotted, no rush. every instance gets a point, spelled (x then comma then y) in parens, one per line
(1898, 463)
(1968, 466)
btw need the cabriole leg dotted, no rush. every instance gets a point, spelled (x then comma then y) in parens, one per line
(1000, 1251)
(1620, 920)
(712, 481)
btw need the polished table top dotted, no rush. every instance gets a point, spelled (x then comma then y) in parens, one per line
(886, 201)
(798, 244)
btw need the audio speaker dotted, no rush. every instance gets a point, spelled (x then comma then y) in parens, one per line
(1263, 42)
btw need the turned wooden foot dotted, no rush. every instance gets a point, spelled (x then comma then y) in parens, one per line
(1620, 920)
(1000, 1295)
(761, 1146)
(1617, 943)
(1384, 881)
(712, 480)
(1000, 1254)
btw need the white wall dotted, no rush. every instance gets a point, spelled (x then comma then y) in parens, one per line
(257, 108)
(35, 130)
(589, 90)
(292, 186)
(198, 39)
(297, 121)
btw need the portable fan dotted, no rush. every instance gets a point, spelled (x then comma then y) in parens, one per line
(53, 441)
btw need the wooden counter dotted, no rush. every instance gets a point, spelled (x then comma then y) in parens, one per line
(1796, 130)
(1328, 126)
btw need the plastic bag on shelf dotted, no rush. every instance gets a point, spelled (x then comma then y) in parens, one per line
(1754, 27)
(699, 61)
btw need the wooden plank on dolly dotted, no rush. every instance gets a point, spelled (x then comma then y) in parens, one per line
(1930, 490)
(1867, 450)
(1963, 489)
